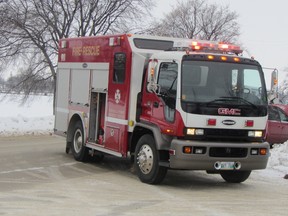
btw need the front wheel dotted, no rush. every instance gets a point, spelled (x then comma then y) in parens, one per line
(235, 176)
(146, 161)
(80, 152)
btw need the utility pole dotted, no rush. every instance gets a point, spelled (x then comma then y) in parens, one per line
(273, 94)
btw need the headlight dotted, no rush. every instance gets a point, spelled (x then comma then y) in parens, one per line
(195, 131)
(255, 133)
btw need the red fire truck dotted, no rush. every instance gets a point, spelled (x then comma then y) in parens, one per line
(166, 103)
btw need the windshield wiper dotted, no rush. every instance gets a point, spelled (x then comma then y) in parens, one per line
(227, 99)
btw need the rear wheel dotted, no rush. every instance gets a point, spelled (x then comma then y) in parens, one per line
(146, 161)
(235, 176)
(80, 152)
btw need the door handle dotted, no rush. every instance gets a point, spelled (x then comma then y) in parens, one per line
(155, 104)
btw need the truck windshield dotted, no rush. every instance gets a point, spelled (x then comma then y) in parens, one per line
(207, 83)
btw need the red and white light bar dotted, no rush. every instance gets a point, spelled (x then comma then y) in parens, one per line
(201, 45)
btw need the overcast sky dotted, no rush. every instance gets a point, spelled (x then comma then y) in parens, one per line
(264, 29)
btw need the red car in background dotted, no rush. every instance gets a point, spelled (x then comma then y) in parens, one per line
(277, 125)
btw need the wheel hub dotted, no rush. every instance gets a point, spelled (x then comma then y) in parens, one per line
(145, 159)
(77, 141)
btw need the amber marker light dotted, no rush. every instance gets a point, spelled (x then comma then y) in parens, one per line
(187, 149)
(168, 131)
(263, 151)
(236, 59)
(210, 57)
(223, 58)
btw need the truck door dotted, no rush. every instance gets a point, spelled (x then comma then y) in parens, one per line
(115, 131)
(159, 104)
(274, 126)
(167, 80)
(62, 97)
(284, 126)
(98, 102)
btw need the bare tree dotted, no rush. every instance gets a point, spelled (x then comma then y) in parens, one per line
(198, 19)
(30, 31)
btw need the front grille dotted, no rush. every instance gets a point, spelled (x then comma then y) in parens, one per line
(227, 134)
(228, 152)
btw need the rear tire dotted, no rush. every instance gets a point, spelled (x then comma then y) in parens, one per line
(146, 161)
(235, 176)
(80, 152)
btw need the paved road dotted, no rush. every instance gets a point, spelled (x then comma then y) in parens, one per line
(38, 178)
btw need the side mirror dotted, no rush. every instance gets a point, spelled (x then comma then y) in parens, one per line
(153, 87)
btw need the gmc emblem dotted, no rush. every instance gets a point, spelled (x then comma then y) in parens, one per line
(227, 111)
(228, 122)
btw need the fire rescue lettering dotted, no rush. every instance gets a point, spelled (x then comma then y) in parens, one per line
(86, 51)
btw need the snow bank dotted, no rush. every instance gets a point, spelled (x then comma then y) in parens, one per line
(35, 117)
(20, 125)
(279, 159)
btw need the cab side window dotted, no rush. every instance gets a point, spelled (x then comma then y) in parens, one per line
(168, 78)
(283, 116)
(273, 114)
(119, 67)
(167, 81)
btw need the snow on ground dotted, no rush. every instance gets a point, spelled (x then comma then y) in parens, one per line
(36, 117)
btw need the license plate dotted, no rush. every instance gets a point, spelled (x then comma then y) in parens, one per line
(227, 165)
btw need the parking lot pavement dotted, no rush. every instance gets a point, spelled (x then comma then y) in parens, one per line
(38, 178)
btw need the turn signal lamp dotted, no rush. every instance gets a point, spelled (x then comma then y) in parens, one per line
(187, 149)
(168, 131)
(263, 151)
(194, 150)
(152, 71)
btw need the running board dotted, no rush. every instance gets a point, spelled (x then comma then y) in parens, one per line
(102, 149)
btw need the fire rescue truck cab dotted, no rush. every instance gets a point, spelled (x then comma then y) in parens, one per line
(168, 103)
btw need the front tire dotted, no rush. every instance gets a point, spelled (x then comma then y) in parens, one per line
(235, 176)
(80, 152)
(146, 161)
